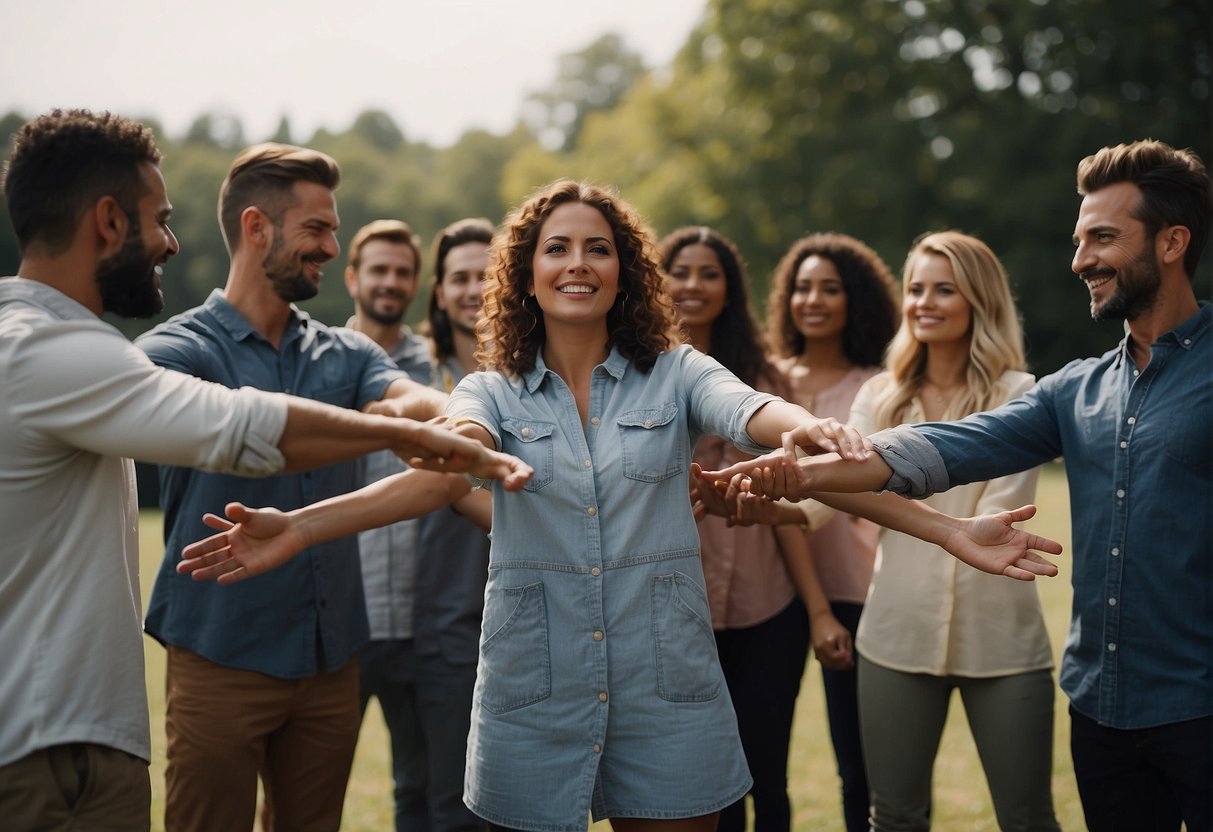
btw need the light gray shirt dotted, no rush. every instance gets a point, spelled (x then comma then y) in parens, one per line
(77, 400)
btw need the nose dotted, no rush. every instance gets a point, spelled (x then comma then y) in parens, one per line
(476, 290)
(174, 247)
(330, 246)
(1083, 259)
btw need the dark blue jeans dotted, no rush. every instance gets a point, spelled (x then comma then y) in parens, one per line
(842, 707)
(1143, 779)
(762, 666)
(427, 704)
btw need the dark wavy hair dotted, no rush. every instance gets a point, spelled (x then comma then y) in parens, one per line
(460, 232)
(641, 324)
(871, 309)
(1174, 188)
(736, 342)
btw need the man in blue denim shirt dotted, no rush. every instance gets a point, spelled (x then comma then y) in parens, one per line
(1134, 427)
(278, 654)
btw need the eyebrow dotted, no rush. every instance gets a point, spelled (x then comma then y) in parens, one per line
(564, 239)
(1095, 229)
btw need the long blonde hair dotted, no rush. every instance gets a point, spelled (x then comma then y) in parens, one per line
(995, 336)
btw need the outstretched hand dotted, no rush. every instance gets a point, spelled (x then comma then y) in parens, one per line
(435, 448)
(990, 543)
(251, 541)
(774, 475)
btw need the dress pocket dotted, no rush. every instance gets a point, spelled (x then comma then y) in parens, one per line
(649, 437)
(531, 441)
(515, 663)
(687, 667)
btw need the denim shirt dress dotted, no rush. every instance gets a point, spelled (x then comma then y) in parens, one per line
(598, 686)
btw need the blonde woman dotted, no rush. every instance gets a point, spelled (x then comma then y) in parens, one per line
(932, 625)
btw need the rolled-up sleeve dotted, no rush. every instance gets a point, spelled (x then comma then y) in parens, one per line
(918, 469)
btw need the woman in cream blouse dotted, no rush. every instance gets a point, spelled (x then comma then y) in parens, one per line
(931, 624)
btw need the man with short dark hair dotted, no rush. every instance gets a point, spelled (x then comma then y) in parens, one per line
(91, 213)
(1134, 428)
(262, 676)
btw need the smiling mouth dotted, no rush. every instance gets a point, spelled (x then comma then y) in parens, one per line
(577, 289)
(1095, 281)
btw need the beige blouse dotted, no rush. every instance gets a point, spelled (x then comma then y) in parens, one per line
(843, 546)
(929, 613)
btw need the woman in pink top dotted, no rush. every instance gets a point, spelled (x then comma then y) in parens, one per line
(830, 315)
(752, 573)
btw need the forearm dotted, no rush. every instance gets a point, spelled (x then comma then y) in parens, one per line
(893, 512)
(769, 423)
(318, 434)
(405, 397)
(403, 496)
(829, 472)
(802, 569)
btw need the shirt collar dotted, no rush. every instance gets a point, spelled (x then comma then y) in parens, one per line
(239, 328)
(615, 365)
(36, 292)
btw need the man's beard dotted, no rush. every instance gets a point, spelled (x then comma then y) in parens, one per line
(127, 280)
(289, 283)
(367, 307)
(1136, 289)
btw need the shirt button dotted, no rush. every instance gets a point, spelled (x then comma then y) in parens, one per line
(1111, 602)
(1124, 444)
(1132, 420)
(648, 423)
(594, 421)
(1120, 492)
(1187, 342)
(588, 463)
(598, 635)
(1112, 647)
(592, 511)
(597, 748)
(526, 431)
(595, 571)
(1115, 551)
(602, 697)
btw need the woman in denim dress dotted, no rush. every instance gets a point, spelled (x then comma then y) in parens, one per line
(599, 688)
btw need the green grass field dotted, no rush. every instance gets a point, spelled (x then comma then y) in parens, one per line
(962, 803)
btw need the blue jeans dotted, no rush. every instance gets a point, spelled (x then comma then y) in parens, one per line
(762, 666)
(842, 707)
(1143, 779)
(427, 704)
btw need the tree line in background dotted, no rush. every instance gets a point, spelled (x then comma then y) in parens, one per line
(878, 118)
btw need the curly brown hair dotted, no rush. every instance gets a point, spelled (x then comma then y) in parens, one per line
(872, 312)
(641, 324)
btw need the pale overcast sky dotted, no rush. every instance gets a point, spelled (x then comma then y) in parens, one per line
(438, 67)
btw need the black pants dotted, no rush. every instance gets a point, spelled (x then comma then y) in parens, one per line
(1143, 779)
(762, 666)
(842, 707)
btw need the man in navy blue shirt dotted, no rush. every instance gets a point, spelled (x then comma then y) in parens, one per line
(262, 677)
(1134, 426)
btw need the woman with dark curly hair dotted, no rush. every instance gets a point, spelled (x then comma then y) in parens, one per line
(831, 314)
(599, 686)
(753, 573)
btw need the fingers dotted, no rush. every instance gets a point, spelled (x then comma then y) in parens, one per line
(217, 522)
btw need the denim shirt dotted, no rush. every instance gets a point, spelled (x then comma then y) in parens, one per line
(1138, 455)
(309, 614)
(389, 553)
(598, 686)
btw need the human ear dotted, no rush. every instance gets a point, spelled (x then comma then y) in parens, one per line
(256, 227)
(111, 223)
(1172, 243)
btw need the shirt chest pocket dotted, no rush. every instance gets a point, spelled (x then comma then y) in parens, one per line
(532, 442)
(651, 443)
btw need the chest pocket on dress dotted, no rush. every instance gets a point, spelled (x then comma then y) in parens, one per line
(652, 451)
(687, 669)
(531, 442)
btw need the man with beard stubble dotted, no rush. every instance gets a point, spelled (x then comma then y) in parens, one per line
(90, 210)
(411, 600)
(262, 676)
(1134, 428)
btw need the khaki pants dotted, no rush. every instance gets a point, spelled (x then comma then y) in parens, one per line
(78, 786)
(226, 726)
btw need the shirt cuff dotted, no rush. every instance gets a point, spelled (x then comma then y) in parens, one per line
(918, 469)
